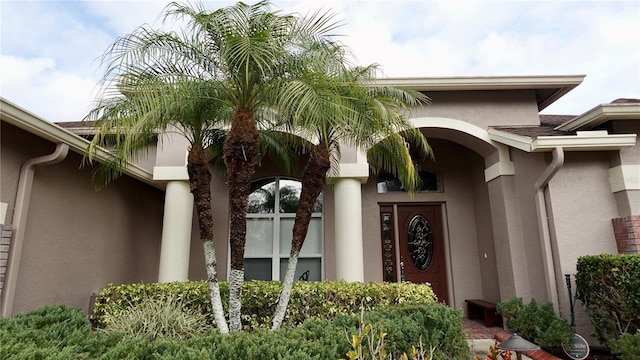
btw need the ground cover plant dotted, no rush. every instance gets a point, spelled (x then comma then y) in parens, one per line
(60, 332)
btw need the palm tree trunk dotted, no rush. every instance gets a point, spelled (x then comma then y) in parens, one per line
(200, 183)
(313, 181)
(240, 155)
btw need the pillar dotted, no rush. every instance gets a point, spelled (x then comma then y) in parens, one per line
(176, 232)
(513, 277)
(348, 230)
(347, 194)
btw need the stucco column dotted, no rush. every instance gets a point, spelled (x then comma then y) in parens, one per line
(176, 232)
(513, 277)
(176, 223)
(347, 194)
(348, 228)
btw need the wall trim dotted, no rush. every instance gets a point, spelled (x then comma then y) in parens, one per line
(624, 177)
(170, 173)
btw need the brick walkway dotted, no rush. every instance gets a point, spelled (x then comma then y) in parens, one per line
(475, 329)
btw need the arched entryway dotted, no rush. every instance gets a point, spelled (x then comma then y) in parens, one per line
(466, 262)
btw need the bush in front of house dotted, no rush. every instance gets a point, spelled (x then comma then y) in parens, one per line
(54, 332)
(536, 323)
(627, 347)
(609, 287)
(259, 298)
(63, 333)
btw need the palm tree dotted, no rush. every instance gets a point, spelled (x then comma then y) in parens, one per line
(343, 106)
(154, 104)
(256, 52)
(246, 54)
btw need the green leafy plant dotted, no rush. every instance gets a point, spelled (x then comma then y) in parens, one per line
(536, 323)
(495, 353)
(609, 287)
(157, 318)
(375, 345)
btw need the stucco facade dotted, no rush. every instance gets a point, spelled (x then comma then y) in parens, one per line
(520, 197)
(74, 240)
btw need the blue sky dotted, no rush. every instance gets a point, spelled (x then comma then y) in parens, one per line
(50, 50)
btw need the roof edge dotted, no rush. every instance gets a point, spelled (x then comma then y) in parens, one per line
(28, 121)
(558, 84)
(598, 141)
(600, 114)
(483, 82)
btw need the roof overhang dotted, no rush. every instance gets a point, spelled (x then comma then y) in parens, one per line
(582, 141)
(600, 114)
(23, 119)
(548, 89)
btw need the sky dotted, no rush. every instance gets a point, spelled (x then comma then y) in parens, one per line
(50, 50)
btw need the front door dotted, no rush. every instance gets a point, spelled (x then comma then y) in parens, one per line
(421, 245)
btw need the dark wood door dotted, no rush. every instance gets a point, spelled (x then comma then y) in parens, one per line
(422, 246)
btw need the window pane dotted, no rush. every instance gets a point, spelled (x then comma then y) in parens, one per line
(262, 198)
(257, 269)
(259, 236)
(312, 265)
(289, 195)
(431, 182)
(312, 243)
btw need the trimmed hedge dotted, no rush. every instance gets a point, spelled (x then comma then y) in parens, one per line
(63, 333)
(609, 287)
(536, 323)
(309, 300)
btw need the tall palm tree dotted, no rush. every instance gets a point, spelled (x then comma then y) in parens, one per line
(152, 105)
(247, 53)
(341, 105)
(255, 51)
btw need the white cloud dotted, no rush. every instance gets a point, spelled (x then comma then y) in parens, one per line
(53, 45)
(56, 95)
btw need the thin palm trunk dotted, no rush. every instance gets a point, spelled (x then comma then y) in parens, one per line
(313, 181)
(200, 182)
(240, 155)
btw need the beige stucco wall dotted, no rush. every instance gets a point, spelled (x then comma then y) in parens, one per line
(483, 108)
(78, 240)
(484, 233)
(582, 207)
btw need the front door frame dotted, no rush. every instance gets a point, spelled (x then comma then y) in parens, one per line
(445, 239)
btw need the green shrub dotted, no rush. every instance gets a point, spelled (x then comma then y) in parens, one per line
(433, 324)
(627, 347)
(609, 288)
(259, 298)
(536, 323)
(51, 332)
(157, 318)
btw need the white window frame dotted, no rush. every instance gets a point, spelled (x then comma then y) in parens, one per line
(276, 216)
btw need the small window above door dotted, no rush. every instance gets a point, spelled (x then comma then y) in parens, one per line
(431, 182)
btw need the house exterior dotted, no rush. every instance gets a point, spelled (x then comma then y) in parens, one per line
(510, 201)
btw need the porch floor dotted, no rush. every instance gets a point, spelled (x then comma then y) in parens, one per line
(475, 329)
